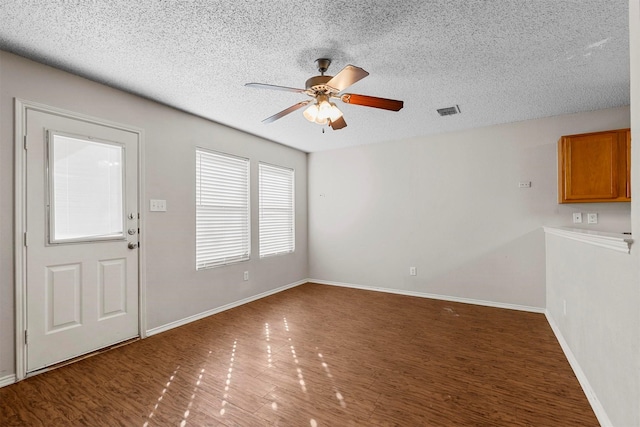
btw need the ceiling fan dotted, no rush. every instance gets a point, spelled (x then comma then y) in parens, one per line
(324, 88)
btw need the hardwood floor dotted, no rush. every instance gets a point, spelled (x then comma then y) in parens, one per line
(319, 355)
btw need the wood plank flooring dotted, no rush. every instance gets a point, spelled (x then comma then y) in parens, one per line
(319, 355)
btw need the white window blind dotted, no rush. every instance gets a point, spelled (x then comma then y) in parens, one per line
(276, 208)
(222, 209)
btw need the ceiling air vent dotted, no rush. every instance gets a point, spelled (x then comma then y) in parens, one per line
(448, 111)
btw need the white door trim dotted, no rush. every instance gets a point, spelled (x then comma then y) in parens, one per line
(21, 106)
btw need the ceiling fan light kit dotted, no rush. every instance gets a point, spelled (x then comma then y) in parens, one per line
(322, 89)
(322, 111)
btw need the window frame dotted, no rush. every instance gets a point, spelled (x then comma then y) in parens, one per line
(50, 176)
(288, 239)
(243, 210)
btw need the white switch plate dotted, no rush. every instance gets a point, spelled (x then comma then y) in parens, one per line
(156, 205)
(525, 184)
(246, 275)
(413, 271)
(592, 218)
(577, 217)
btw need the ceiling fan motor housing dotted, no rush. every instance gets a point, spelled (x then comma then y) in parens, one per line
(318, 85)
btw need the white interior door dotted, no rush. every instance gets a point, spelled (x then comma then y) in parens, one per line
(82, 235)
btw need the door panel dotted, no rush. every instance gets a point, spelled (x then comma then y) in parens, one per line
(82, 279)
(63, 297)
(113, 288)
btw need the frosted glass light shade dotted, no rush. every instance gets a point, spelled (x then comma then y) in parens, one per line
(334, 113)
(324, 109)
(311, 113)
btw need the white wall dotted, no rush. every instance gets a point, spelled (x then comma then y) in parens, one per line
(602, 293)
(174, 289)
(633, 329)
(449, 205)
(600, 287)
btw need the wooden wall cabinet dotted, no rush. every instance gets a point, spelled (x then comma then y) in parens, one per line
(595, 167)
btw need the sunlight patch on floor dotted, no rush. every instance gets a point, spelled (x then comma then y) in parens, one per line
(227, 382)
(187, 412)
(164, 391)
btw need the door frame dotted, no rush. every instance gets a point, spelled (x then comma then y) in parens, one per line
(21, 107)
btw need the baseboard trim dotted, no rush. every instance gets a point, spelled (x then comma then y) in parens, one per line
(8, 380)
(186, 320)
(433, 296)
(597, 407)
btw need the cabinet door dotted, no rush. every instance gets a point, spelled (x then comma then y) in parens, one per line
(589, 167)
(628, 147)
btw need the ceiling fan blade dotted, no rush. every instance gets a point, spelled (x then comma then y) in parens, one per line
(372, 101)
(338, 124)
(274, 87)
(285, 112)
(346, 77)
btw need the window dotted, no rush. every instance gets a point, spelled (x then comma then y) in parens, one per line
(277, 213)
(85, 189)
(222, 209)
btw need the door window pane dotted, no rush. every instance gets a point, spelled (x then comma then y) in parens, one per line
(86, 189)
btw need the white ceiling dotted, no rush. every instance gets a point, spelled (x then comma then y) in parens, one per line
(499, 60)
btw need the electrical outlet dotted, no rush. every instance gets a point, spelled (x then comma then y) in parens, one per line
(592, 218)
(246, 275)
(577, 217)
(525, 184)
(413, 271)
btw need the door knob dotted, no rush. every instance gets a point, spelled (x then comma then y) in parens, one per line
(132, 245)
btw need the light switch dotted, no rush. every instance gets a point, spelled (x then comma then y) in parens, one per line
(577, 217)
(156, 205)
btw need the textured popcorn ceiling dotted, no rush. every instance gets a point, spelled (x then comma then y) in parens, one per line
(499, 60)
